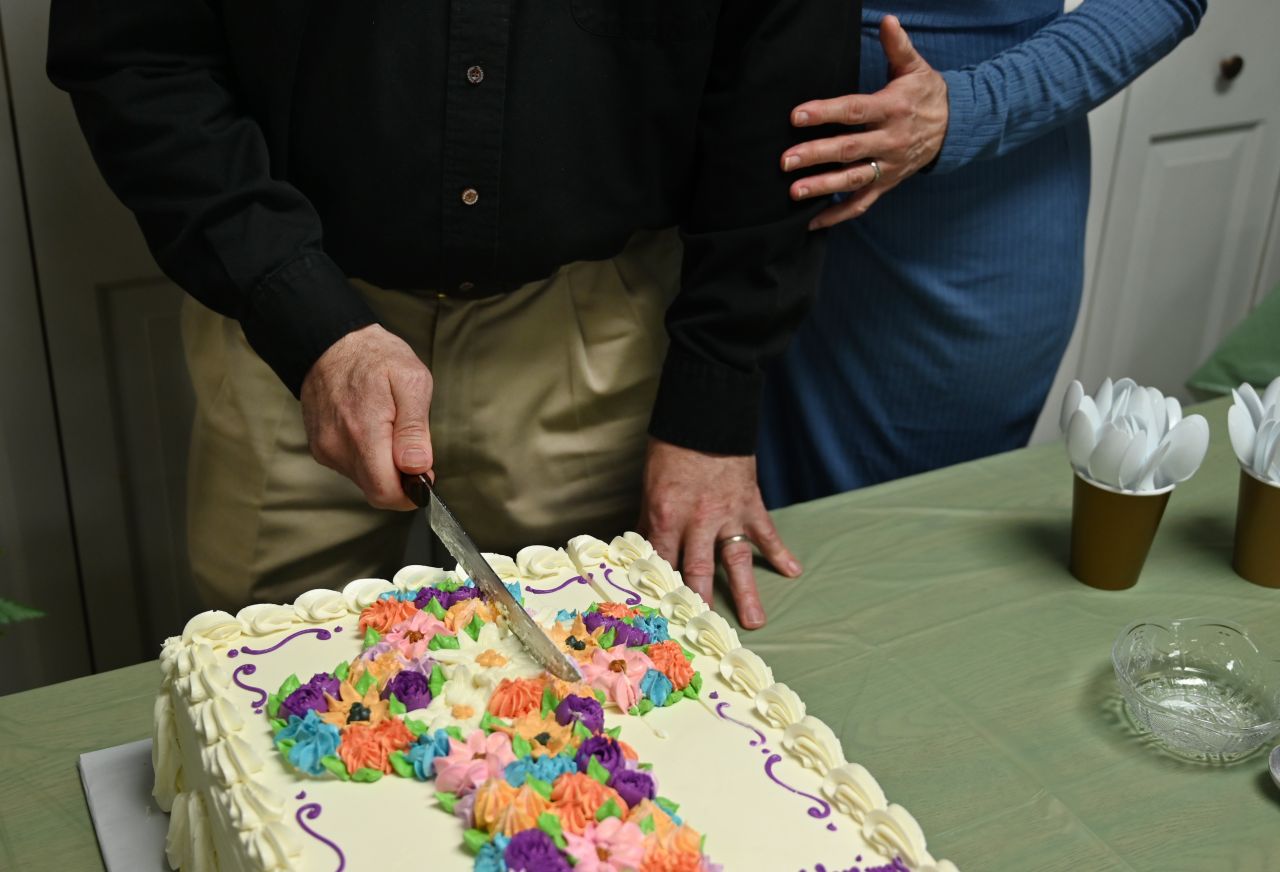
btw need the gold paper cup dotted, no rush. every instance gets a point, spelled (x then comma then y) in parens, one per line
(1257, 553)
(1111, 533)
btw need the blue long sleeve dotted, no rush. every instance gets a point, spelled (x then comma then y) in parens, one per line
(1066, 68)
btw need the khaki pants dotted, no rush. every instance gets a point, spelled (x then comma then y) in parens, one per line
(542, 399)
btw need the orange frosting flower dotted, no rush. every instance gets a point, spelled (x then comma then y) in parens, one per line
(516, 696)
(394, 734)
(501, 808)
(543, 734)
(578, 630)
(659, 859)
(352, 708)
(382, 615)
(383, 668)
(491, 658)
(461, 613)
(670, 660)
(369, 746)
(662, 822)
(616, 610)
(570, 688)
(577, 797)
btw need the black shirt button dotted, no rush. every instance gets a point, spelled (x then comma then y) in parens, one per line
(470, 196)
(475, 75)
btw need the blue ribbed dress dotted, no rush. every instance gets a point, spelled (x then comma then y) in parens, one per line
(944, 311)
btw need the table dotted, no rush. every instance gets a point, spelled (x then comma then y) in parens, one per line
(938, 632)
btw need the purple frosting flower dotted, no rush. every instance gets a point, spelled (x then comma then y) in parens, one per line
(534, 851)
(427, 594)
(463, 593)
(411, 688)
(465, 810)
(594, 620)
(310, 696)
(629, 636)
(633, 785)
(584, 709)
(606, 751)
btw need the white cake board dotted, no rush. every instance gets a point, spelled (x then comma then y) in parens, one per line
(131, 828)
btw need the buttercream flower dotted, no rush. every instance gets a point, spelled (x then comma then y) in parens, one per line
(422, 756)
(427, 594)
(576, 639)
(546, 768)
(313, 740)
(617, 672)
(382, 667)
(656, 626)
(370, 747)
(630, 637)
(474, 761)
(464, 611)
(534, 851)
(411, 688)
(501, 808)
(490, 856)
(576, 798)
(668, 658)
(616, 610)
(306, 698)
(544, 735)
(662, 822)
(660, 859)
(656, 687)
(464, 810)
(516, 696)
(384, 614)
(609, 846)
(349, 707)
(605, 750)
(633, 785)
(411, 637)
(599, 621)
(585, 710)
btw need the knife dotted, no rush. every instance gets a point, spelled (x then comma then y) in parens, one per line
(446, 526)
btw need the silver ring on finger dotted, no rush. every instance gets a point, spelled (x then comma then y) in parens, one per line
(733, 540)
(876, 168)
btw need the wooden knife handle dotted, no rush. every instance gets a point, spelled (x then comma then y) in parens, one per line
(417, 488)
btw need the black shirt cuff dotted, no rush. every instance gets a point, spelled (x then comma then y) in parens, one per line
(706, 406)
(298, 311)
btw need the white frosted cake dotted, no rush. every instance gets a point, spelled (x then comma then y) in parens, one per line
(398, 725)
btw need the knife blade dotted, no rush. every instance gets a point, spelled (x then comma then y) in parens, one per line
(455, 538)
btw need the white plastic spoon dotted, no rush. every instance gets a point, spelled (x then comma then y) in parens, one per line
(1090, 409)
(1173, 409)
(1103, 398)
(1271, 396)
(1082, 436)
(1070, 402)
(1242, 433)
(1262, 445)
(1104, 462)
(1247, 395)
(1159, 412)
(1130, 472)
(1188, 443)
(1147, 478)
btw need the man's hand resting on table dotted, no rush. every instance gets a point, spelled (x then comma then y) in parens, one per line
(691, 502)
(365, 404)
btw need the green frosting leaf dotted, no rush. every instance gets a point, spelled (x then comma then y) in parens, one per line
(634, 711)
(475, 840)
(273, 706)
(596, 771)
(550, 824)
(608, 638)
(688, 655)
(395, 706)
(366, 681)
(365, 775)
(400, 764)
(608, 810)
(335, 765)
(580, 732)
(549, 701)
(433, 607)
(454, 732)
(696, 682)
(540, 787)
(448, 585)
(284, 746)
(600, 697)
(613, 732)
(415, 727)
(645, 706)
(647, 825)
(342, 671)
(666, 805)
(447, 801)
(437, 680)
(644, 767)
(489, 723)
(473, 629)
(594, 607)
(673, 698)
(441, 641)
(521, 747)
(371, 637)
(289, 686)
(277, 725)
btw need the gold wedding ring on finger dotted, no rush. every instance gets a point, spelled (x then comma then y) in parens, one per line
(876, 169)
(733, 540)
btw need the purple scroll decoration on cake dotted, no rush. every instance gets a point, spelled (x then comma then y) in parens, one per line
(820, 810)
(311, 811)
(577, 579)
(633, 598)
(260, 695)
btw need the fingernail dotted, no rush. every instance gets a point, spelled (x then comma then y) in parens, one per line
(802, 118)
(413, 457)
(790, 162)
(755, 615)
(802, 192)
(814, 225)
(794, 567)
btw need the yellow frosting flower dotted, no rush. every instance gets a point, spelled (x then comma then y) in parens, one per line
(544, 735)
(352, 708)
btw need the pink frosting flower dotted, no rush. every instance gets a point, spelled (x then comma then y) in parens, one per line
(609, 846)
(617, 672)
(411, 637)
(469, 764)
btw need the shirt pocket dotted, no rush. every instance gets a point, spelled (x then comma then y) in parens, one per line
(660, 20)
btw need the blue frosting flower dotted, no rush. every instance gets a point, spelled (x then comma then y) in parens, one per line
(491, 857)
(404, 596)
(313, 741)
(514, 587)
(422, 756)
(546, 768)
(656, 686)
(565, 615)
(655, 626)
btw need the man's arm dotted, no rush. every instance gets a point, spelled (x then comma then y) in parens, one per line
(749, 271)
(153, 90)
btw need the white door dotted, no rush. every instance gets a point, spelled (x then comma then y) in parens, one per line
(1191, 201)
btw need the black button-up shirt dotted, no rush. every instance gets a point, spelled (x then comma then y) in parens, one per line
(272, 148)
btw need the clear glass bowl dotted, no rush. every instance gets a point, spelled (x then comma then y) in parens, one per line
(1199, 685)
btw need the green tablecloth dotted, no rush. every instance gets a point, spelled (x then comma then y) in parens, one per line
(938, 632)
